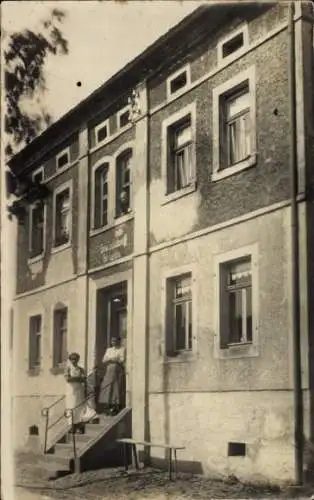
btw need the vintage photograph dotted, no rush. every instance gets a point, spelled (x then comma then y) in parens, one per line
(157, 250)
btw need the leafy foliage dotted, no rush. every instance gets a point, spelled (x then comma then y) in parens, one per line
(25, 57)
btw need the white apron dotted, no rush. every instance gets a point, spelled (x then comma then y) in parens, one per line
(75, 394)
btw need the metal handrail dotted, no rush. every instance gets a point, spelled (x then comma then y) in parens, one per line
(45, 413)
(70, 411)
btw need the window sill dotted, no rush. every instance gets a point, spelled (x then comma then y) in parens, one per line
(228, 171)
(36, 258)
(180, 357)
(233, 351)
(34, 372)
(117, 222)
(60, 248)
(57, 370)
(179, 194)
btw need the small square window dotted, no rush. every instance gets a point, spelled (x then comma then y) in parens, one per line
(232, 45)
(34, 341)
(63, 159)
(62, 217)
(124, 118)
(178, 82)
(236, 303)
(102, 132)
(179, 314)
(180, 171)
(38, 177)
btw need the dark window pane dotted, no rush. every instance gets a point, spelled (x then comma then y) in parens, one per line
(102, 133)
(124, 119)
(235, 316)
(232, 45)
(249, 326)
(180, 325)
(190, 325)
(178, 83)
(63, 160)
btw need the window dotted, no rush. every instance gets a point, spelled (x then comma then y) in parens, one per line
(34, 342)
(179, 334)
(38, 176)
(180, 168)
(102, 131)
(234, 44)
(124, 117)
(63, 158)
(123, 183)
(178, 81)
(101, 196)
(60, 336)
(236, 303)
(237, 127)
(234, 125)
(37, 222)
(62, 217)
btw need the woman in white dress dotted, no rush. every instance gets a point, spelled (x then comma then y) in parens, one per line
(75, 390)
(111, 391)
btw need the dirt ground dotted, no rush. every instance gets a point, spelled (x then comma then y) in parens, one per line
(32, 483)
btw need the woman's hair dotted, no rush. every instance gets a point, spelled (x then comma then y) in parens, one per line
(74, 355)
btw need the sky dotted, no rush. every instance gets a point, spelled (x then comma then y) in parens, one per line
(103, 36)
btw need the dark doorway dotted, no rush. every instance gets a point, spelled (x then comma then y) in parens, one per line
(111, 317)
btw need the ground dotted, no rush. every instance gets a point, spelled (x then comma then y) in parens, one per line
(149, 484)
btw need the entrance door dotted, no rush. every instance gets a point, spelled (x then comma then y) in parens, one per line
(111, 317)
(117, 324)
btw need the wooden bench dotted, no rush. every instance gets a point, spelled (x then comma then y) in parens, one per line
(128, 442)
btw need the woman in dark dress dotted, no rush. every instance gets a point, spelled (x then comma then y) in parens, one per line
(111, 391)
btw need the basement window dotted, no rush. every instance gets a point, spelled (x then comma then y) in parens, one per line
(236, 449)
(33, 430)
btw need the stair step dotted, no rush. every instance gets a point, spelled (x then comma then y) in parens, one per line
(58, 460)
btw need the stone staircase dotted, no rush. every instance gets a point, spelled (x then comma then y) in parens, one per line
(96, 448)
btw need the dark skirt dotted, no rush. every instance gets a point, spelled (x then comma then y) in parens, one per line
(111, 390)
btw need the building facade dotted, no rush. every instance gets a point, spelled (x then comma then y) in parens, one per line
(168, 223)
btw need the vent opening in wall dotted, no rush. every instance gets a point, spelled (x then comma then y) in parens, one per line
(33, 430)
(232, 45)
(236, 449)
(178, 82)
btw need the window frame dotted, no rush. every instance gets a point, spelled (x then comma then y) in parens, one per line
(242, 29)
(57, 191)
(39, 256)
(222, 261)
(119, 114)
(57, 309)
(173, 76)
(104, 123)
(98, 165)
(169, 276)
(58, 156)
(34, 369)
(220, 94)
(124, 151)
(167, 125)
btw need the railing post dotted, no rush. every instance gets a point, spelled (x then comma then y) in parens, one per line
(45, 413)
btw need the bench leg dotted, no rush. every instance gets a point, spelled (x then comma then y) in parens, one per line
(135, 456)
(170, 464)
(125, 453)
